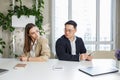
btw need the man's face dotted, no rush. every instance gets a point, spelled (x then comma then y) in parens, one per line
(69, 31)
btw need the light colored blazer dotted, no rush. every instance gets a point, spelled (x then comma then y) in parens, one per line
(42, 48)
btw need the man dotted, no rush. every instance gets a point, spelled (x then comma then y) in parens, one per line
(70, 47)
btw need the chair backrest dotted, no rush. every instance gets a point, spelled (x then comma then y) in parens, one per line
(103, 54)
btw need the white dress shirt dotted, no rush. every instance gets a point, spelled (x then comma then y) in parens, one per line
(32, 51)
(73, 46)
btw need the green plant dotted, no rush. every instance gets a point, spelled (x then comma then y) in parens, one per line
(19, 10)
(2, 43)
(35, 11)
(5, 22)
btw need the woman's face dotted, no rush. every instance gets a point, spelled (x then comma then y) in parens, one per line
(34, 33)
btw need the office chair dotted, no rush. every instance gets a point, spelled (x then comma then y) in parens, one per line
(103, 54)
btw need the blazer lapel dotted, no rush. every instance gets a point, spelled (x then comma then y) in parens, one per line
(37, 48)
(69, 46)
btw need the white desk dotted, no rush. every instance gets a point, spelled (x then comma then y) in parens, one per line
(45, 71)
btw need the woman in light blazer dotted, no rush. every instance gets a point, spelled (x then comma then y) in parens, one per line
(36, 47)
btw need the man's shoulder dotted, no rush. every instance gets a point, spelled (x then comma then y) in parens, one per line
(79, 39)
(62, 39)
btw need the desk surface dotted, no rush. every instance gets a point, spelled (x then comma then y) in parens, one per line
(54, 70)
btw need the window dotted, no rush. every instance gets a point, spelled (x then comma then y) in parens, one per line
(95, 19)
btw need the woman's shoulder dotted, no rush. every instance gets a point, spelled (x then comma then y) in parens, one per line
(42, 38)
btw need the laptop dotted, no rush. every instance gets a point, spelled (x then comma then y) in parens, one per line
(96, 70)
(3, 71)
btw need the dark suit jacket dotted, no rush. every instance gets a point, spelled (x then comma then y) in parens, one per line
(63, 49)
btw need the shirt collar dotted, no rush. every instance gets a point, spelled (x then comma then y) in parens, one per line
(34, 42)
(73, 40)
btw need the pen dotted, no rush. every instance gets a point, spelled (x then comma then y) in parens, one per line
(58, 68)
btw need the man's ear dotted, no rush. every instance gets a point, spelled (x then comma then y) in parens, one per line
(75, 30)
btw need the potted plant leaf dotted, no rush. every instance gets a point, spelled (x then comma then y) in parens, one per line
(117, 56)
(22, 11)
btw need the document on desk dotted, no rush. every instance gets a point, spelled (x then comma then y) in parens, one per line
(19, 66)
(96, 70)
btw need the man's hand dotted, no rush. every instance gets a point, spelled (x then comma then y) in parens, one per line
(85, 57)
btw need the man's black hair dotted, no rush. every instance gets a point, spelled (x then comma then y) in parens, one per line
(71, 22)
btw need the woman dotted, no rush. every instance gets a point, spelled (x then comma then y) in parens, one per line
(35, 46)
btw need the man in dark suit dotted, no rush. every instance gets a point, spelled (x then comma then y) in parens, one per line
(70, 47)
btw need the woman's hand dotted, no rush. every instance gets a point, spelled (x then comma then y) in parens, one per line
(23, 58)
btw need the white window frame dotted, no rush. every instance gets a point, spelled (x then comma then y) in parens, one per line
(97, 42)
